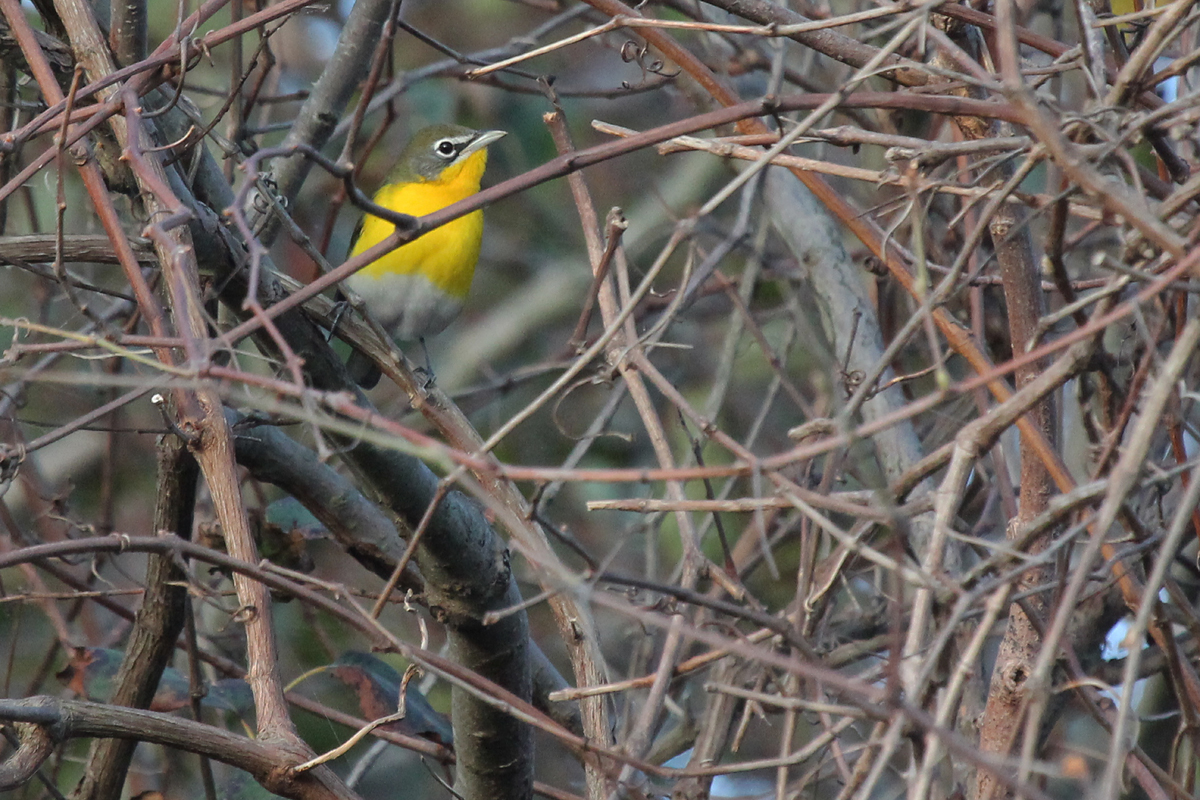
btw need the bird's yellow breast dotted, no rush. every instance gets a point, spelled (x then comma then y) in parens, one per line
(446, 256)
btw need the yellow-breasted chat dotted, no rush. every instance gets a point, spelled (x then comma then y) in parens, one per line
(417, 289)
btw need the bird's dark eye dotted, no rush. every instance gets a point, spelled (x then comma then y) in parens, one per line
(445, 148)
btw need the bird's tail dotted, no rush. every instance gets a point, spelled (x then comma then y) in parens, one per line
(363, 370)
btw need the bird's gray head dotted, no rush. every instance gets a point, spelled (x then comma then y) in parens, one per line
(434, 149)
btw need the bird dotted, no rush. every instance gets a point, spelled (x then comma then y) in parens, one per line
(417, 289)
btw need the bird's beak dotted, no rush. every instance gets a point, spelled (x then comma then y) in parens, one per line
(481, 141)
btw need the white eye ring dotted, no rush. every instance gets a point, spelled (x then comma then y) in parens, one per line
(445, 148)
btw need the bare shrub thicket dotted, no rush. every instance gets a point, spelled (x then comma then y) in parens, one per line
(820, 424)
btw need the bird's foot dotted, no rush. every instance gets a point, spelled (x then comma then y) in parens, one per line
(427, 378)
(340, 307)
